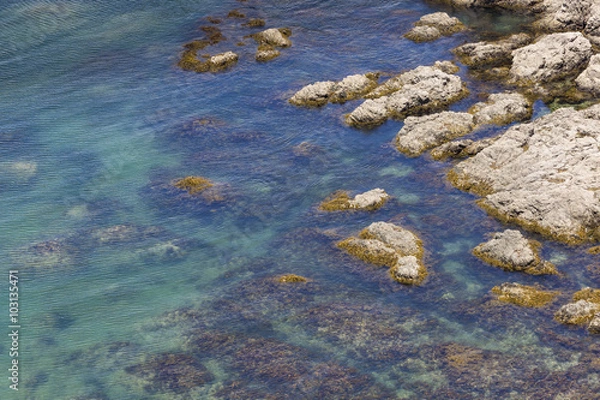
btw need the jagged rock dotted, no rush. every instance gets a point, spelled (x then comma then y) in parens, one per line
(513, 252)
(432, 26)
(274, 37)
(486, 54)
(589, 79)
(542, 175)
(421, 90)
(502, 109)
(521, 295)
(550, 58)
(460, 148)
(371, 200)
(383, 243)
(320, 93)
(422, 133)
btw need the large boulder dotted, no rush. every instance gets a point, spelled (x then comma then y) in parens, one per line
(486, 54)
(589, 80)
(422, 133)
(542, 175)
(550, 58)
(422, 90)
(511, 251)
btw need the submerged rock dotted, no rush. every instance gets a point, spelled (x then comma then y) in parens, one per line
(594, 326)
(589, 79)
(432, 26)
(422, 133)
(291, 278)
(320, 93)
(511, 251)
(541, 175)
(550, 58)
(486, 54)
(383, 243)
(54, 253)
(193, 184)
(424, 89)
(371, 200)
(502, 109)
(266, 52)
(521, 295)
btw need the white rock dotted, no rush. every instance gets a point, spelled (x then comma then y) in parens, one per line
(589, 80)
(501, 109)
(369, 199)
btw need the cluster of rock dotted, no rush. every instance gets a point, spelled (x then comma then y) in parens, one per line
(511, 251)
(541, 175)
(268, 42)
(320, 93)
(383, 243)
(426, 132)
(585, 309)
(371, 200)
(433, 26)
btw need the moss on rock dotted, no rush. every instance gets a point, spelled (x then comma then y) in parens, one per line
(193, 184)
(525, 296)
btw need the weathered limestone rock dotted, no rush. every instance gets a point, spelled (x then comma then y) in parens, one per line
(502, 109)
(589, 79)
(222, 61)
(550, 58)
(513, 252)
(320, 93)
(432, 26)
(274, 37)
(542, 175)
(266, 52)
(486, 54)
(422, 133)
(383, 243)
(521, 295)
(421, 90)
(584, 308)
(460, 148)
(372, 200)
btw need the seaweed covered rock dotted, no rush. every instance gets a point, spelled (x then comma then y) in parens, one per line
(274, 37)
(383, 243)
(488, 54)
(594, 326)
(193, 184)
(550, 58)
(541, 175)
(217, 63)
(589, 79)
(431, 26)
(291, 278)
(460, 148)
(422, 133)
(502, 109)
(585, 309)
(511, 251)
(370, 200)
(222, 61)
(422, 90)
(320, 93)
(266, 52)
(53, 253)
(171, 373)
(521, 295)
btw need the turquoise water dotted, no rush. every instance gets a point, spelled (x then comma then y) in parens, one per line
(97, 121)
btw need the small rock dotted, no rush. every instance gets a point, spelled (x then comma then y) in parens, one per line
(291, 278)
(502, 109)
(513, 252)
(579, 312)
(521, 295)
(222, 61)
(589, 79)
(486, 54)
(371, 251)
(274, 37)
(313, 95)
(594, 326)
(371, 200)
(402, 240)
(424, 33)
(320, 93)
(193, 184)
(422, 133)
(266, 52)
(432, 25)
(408, 270)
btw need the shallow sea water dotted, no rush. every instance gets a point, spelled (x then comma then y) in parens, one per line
(97, 121)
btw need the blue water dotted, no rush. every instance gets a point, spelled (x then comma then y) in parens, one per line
(97, 123)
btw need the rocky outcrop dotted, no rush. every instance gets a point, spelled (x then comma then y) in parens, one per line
(511, 251)
(266, 52)
(585, 309)
(460, 148)
(502, 109)
(550, 58)
(274, 37)
(589, 79)
(542, 175)
(433, 26)
(320, 93)
(372, 200)
(422, 133)
(488, 54)
(383, 243)
(422, 90)
(521, 295)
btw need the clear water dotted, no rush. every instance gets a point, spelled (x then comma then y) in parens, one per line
(95, 126)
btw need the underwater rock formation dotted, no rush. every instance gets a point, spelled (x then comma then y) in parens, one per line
(489, 54)
(521, 295)
(193, 184)
(589, 79)
(371, 200)
(511, 251)
(422, 133)
(54, 253)
(541, 175)
(550, 58)
(383, 243)
(422, 90)
(320, 93)
(431, 26)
